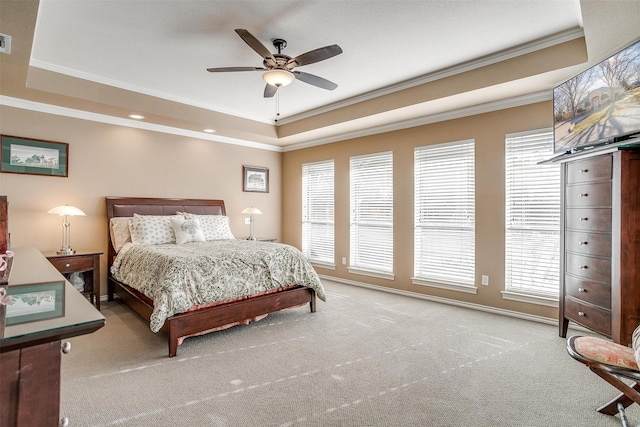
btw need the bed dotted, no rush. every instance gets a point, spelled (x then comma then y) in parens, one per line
(206, 316)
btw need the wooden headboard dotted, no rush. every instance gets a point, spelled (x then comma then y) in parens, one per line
(127, 206)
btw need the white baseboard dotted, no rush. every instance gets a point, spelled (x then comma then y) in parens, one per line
(479, 307)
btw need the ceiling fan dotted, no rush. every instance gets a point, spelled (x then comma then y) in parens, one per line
(279, 68)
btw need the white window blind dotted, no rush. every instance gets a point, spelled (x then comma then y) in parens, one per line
(318, 212)
(532, 232)
(444, 217)
(371, 224)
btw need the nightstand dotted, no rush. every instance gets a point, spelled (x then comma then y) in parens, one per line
(87, 263)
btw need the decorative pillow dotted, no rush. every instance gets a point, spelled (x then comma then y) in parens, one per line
(187, 230)
(214, 227)
(152, 229)
(119, 230)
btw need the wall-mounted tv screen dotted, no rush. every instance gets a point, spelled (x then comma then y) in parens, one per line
(600, 105)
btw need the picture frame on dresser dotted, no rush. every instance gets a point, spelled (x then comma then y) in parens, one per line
(255, 179)
(33, 156)
(34, 301)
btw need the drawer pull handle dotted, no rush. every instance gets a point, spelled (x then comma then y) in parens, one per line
(584, 170)
(584, 218)
(583, 267)
(67, 265)
(584, 243)
(581, 314)
(584, 194)
(66, 347)
(583, 290)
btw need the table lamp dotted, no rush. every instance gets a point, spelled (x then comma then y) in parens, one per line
(251, 211)
(65, 212)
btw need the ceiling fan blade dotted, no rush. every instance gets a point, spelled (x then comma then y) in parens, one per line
(317, 55)
(315, 80)
(269, 91)
(254, 43)
(228, 69)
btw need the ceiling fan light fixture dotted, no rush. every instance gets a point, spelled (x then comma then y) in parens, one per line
(278, 78)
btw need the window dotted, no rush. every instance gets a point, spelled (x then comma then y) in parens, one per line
(444, 217)
(532, 218)
(318, 213)
(371, 223)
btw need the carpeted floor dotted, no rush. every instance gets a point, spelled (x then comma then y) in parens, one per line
(366, 358)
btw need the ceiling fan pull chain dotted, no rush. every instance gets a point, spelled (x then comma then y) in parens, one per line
(277, 105)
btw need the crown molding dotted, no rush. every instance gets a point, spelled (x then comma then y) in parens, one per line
(434, 118)
(484, 61)
(421, 121)
(118, 121)
(138, 89)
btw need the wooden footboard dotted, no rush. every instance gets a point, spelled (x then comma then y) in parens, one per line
(205, 319)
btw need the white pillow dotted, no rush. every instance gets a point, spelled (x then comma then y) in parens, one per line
(187, 230)
(214, 227)
(152, 229)
(119, 230)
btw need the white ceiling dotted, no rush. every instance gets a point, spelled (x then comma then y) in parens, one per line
(162, 48)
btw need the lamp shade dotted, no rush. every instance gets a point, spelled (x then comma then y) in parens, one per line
(66, 210)
(252, 211)
(278, 77)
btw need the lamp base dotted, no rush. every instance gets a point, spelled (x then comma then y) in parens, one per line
(64, 251)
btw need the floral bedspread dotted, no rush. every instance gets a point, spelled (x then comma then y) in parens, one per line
(178, 277)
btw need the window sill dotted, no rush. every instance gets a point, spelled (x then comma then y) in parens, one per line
(323, 265)
(545, 300)
(470, 289)
(378, 274)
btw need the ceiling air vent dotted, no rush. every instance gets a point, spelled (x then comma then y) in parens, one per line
(5, 43)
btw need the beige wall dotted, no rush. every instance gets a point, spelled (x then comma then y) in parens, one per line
(109, 160)
(489, 131)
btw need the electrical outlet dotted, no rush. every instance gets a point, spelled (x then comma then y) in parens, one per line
(5, 43)
(344, 260)
(485, 280)
(247, 221)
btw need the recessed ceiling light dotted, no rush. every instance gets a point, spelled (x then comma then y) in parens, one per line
(209, 130)
(136, 116)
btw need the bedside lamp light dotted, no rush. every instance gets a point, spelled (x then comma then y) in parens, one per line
(251, 211)
(65, 212)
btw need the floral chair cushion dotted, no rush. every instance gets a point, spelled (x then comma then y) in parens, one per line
(635, 344)
(607, 352)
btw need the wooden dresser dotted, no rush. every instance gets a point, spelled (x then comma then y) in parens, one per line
(600, 243)
(30, 351)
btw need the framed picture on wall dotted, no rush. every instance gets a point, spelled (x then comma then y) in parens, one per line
(255, 178)
(33, 156)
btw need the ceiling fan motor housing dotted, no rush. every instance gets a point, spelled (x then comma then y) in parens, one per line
(280, 61)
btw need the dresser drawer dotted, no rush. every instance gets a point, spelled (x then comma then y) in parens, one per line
(595, 318)
(588, 219)
(588, 195)
(587, 243)
(588, 170)
(598, 269)
(70, 264)
(594, 293)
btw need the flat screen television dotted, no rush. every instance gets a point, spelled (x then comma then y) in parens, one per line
(599, 106)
